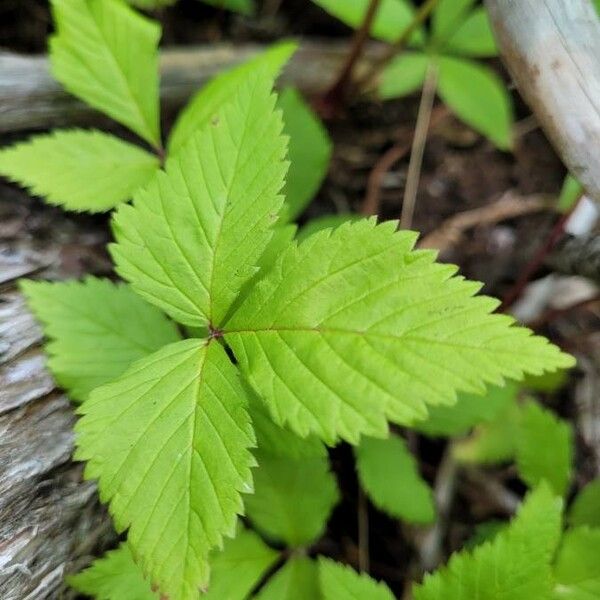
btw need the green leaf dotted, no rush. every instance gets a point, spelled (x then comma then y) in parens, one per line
(96, 330)
(393, 17)
(292, 499)
(577, 568)
(192, 238)
(298, 579)
(309, 152)
(219, 90)
(107, 55)
(469, 410)
(404, 75)
(151, 4)
(586, 506)
(478, 97)
(244, 7)
(340, 581)
(115, 576)
(485, 532)
(547, 382)
(79, 170)
(352, 327)
(390, 476)
(544, 448)
(168, 442)
(239, 567)
(570, 193)
(325, 222)
(474, 36)
(515, 565)
(448, 16)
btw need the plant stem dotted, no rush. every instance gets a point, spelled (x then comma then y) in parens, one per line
(418, 147)
(363, 531)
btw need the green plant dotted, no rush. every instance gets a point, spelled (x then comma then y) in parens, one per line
(244, 7)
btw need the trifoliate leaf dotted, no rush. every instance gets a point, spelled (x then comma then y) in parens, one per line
(192, 238)
(404, 75)
(107, 55)
(544, 448)
(340, 581)
(96, 330)
(168, 442)
(298, 579)
(79, 170)
(293, 499)
(239, 567)
(389, 475)
(325, 222)
(474, 36)
(352, 327)
(577, 569)
(515, 565)
(448, 16)
(309, 152)
(244, 7)
(115, 576)
(208, 101)
(392, 18)
(478, 97)
(586, 506)
(469, 410)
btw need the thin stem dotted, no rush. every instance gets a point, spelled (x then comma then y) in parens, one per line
(363, 532)
(418, 147)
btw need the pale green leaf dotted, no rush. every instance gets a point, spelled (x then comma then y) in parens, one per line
(244, 7)
(404, 75)
(340, 581)
(389, 474)
(325, 222)
(577, 568)
(570, 193)
(391, 20)
(474, 36)
(352, 327)
(115, 576)
(79, 170)
(107, 55)
(219, 90)
(298, 579)
(514, 566)
(292, 499)
(544, 449)
(168, 442)
(309, 152)
(478, 97)
(239, 567)
(192, 238)
(469, 410)
(448, 16)
(586, 506)
(96, 330)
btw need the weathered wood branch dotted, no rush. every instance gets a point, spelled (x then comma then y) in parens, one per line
(552, 50)
(576, 255)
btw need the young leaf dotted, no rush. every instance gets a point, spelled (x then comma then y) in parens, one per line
(586, 506)
(192, 238)
(293, 498)
(309, 152)
(107, 55)
(352, 326)
(79, 170)
(298, 579)
(239, 567)
(474, 36)
(404, 75)
(201, 108)
(244, 7)
(389, 474)
(447, 17)
(96, 330)
(544, 448)
(168, 442)
(577, 568)
(392, 18)
(478, 97)
(515, 565)
(340, 581)
(115, 576)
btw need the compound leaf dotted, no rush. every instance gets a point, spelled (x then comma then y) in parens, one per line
(96, 330)
(79, 170)
(352, 326)
(404, 75)
(474, 36)
(298, 579)
(389, 475)
(192, 238)
(577, 569)
(168, 442)
(107, 55)
(585, 509)
(340, 581)
(115, 576)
